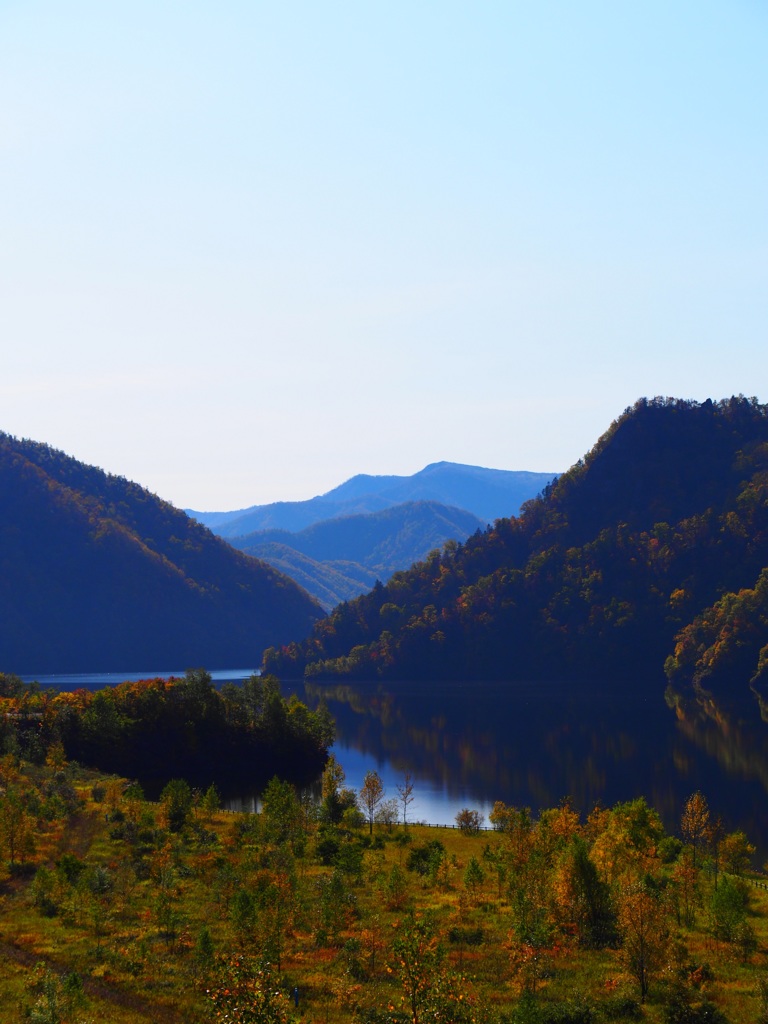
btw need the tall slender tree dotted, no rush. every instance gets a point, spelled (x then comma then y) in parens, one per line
(405, 793)
(695, 823)
(371, 796)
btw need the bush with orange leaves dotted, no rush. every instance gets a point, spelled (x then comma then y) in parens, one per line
(245, 990)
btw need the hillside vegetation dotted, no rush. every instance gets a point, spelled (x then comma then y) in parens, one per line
(97, 573)
(594, 579)
(121, 909)
(329, 583)
(727, 642)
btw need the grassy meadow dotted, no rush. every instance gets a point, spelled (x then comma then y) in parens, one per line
(115, 908)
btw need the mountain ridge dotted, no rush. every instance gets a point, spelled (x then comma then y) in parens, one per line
(494, 493)
(98, 573)
(594, 580)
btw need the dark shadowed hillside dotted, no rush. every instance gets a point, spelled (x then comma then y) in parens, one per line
(593, 580)
(98, 574)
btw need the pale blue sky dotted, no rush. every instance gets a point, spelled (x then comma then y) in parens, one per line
(248, 250)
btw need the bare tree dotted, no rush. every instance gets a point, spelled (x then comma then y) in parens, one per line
(470, 822)
(388, 813)
(405, 792)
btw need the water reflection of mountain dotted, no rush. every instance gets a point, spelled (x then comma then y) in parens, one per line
(533, 744)
(733, 733)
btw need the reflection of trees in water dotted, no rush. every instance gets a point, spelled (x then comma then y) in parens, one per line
(721, 749)
(731, 732)
(532, 745)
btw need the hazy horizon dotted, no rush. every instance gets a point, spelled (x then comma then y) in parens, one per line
(251, 251)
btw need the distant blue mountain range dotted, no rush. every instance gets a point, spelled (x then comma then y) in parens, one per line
(489, 494)
(338, 544)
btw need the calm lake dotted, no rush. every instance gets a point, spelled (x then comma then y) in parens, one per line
(468, 745)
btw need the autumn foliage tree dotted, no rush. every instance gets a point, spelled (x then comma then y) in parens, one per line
(417, 959)
(244, 990)
(642, 917)
(695, 824)
(371, 796)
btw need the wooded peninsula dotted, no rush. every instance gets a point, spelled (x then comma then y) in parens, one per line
(158, 729)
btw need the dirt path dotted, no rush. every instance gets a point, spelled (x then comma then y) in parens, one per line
(80, 833)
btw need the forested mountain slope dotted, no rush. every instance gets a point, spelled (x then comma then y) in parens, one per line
(594, 579)
(726, 646)
(339, 559)
(98, 574)
(329, 582)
